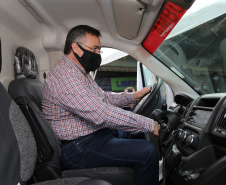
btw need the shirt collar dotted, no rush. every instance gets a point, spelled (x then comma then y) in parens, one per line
(74, 64)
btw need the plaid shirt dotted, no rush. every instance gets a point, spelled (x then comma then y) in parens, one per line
(76, 106)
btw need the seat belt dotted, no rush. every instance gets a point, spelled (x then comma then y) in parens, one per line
(44, 148)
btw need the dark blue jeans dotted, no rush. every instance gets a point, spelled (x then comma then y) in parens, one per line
(103, 149)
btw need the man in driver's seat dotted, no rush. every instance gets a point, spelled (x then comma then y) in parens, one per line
(84, 117)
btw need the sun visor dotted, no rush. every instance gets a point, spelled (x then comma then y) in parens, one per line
(146, 1)
(128, 17)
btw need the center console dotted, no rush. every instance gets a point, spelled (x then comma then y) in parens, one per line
(198, 154)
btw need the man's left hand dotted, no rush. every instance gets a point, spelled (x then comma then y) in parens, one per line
(139, 94)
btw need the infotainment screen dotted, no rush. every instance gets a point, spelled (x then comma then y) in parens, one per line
(199, 117)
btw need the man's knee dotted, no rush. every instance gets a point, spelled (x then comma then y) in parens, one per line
(150, 152)
(148, 157)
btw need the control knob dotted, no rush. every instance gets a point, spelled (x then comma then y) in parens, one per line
(192, 141)
(184, 136)
(180, 131)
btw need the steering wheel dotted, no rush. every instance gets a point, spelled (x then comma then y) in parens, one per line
(141, 106)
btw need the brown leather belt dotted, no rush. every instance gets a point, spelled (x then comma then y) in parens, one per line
(65, 142)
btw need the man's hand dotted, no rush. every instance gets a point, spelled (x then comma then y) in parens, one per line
(139, 94)
(156, 129)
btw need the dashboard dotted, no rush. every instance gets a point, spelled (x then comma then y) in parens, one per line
(204, 119)
(198, 154)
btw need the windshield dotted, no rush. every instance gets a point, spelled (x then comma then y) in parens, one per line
(196, 49)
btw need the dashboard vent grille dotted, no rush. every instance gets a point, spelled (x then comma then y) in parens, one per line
(222, 121)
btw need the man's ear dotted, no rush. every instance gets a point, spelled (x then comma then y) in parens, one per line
(74, 47)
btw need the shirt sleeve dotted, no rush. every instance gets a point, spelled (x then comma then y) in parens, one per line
(123, 99)
(76, 96)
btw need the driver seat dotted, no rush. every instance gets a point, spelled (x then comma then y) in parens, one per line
(30, 90)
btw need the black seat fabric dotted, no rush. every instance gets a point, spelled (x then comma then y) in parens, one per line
(26, 87)
(32, 90)
(74, 181)
(18, 154)
(15, 139)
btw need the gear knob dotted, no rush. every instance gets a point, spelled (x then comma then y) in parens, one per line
(157, 115)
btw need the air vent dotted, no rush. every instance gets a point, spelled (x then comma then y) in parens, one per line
(221, 125)
(222, 120)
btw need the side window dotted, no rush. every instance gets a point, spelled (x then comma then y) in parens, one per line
(149, 79)
(118, 71)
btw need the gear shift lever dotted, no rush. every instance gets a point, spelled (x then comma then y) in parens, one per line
(157, 116)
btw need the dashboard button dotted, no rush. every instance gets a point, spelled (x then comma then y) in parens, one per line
(184, 136)
(192, 141)
(180, 131)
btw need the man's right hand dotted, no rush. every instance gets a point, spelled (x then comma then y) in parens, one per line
(156, 128)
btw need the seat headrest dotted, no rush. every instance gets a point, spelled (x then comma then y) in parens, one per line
(25, 64)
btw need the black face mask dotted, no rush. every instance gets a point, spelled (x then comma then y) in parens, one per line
(90, 61)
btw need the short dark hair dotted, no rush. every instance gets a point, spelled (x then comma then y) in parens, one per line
(77, 33)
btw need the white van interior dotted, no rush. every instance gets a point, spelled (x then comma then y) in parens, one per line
(180, 46)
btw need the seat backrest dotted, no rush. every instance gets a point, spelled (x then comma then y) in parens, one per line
(31, 89)
(116, 175)
(18, 148)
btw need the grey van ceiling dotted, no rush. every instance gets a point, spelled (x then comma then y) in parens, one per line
(117, 19)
